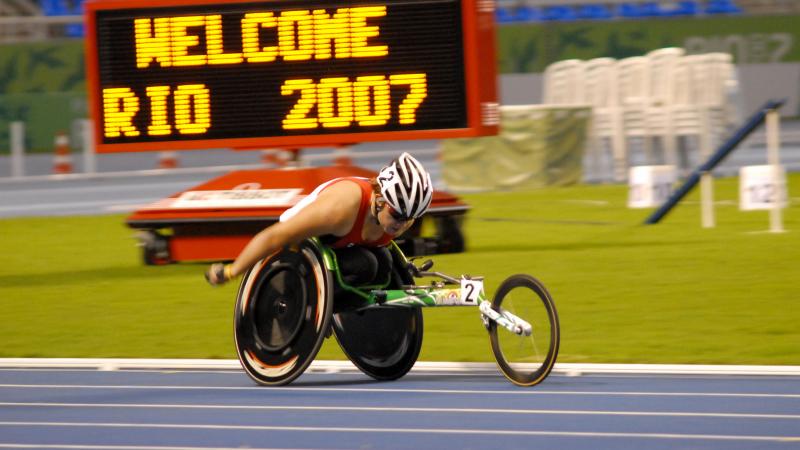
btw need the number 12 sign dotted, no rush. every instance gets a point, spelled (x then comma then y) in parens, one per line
(190, 74)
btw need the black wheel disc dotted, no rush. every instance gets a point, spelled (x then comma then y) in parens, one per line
(278, 311)
(384, 343)
(283, 312)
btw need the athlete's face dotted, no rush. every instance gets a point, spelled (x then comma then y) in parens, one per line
(392, 222)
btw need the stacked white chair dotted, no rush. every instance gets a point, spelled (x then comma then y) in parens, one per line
(717, 79)
(662, 97)
(634, 100)
(730, 79)
(664, 94)
(701, 107)
(563, 83)
(600, 91)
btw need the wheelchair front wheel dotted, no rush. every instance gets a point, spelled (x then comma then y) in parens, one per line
(525, 360)
(283, 312)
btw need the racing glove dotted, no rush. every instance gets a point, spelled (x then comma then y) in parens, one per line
(218, 274)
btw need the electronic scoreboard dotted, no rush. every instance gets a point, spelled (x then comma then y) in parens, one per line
(197, 74)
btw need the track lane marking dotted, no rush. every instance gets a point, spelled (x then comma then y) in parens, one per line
(123, 447)
(105, 188)
(405, 410)
(399, 390)
(68, 204)
(458, 431)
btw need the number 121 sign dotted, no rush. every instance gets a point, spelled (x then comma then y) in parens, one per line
(178, 74)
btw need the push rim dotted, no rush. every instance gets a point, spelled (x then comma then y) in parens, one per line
(278, 332)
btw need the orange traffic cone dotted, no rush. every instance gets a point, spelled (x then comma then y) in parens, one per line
(167, 160)
(62, 160)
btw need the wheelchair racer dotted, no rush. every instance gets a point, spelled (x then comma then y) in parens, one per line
(357, 217)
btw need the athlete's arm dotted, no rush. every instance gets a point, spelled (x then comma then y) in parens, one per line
(333, 212)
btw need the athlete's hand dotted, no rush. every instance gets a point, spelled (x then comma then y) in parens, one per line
(218, 274)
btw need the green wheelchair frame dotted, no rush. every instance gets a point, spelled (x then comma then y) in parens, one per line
(285, 309)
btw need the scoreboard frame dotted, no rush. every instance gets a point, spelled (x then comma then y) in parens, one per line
(479, 85)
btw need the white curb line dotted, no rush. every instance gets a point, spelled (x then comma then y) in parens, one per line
(572, 369)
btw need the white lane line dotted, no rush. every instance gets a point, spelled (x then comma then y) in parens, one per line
(105, 188)
(588, 202)
(126, 207)
(421, 366)
(459, 431)
(407, 410)
(515, 392)
(72, 204)
(123, 447)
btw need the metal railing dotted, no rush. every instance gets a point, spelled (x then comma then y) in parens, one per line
(14, 29)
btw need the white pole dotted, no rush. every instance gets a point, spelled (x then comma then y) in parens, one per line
(89, 156)
(706, 179)
(707, 200)
(773, 159)
(17, 138)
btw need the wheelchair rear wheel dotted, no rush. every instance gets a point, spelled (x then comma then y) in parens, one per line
(384, 343)
(283, 312)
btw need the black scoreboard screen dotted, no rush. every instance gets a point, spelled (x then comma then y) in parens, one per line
(195, 74)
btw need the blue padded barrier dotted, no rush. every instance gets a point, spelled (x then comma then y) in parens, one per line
(558, 13)
(629, 10)
(54, 7)
(640, 10)
(722, 7)
(649, 9)
(527, 14)
(504, 15)
(683, 8)
(516, 14)
(65, 8)
(594, 12)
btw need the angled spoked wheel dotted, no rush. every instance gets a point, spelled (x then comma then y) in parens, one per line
(525, 360)
(283, 312)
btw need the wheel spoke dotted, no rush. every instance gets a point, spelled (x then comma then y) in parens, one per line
(277, 335)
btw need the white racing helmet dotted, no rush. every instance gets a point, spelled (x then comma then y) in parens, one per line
(406, 186)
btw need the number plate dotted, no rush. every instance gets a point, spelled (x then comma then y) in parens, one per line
(471, 289)
(761, 187)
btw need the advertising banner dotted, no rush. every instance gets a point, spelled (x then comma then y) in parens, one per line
(538, 146)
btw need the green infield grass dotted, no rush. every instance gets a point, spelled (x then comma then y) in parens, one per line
(626, 292)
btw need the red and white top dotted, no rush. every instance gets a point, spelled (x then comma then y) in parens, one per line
(354, 236)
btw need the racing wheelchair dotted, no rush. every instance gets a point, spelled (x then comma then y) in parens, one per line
(288, 303)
